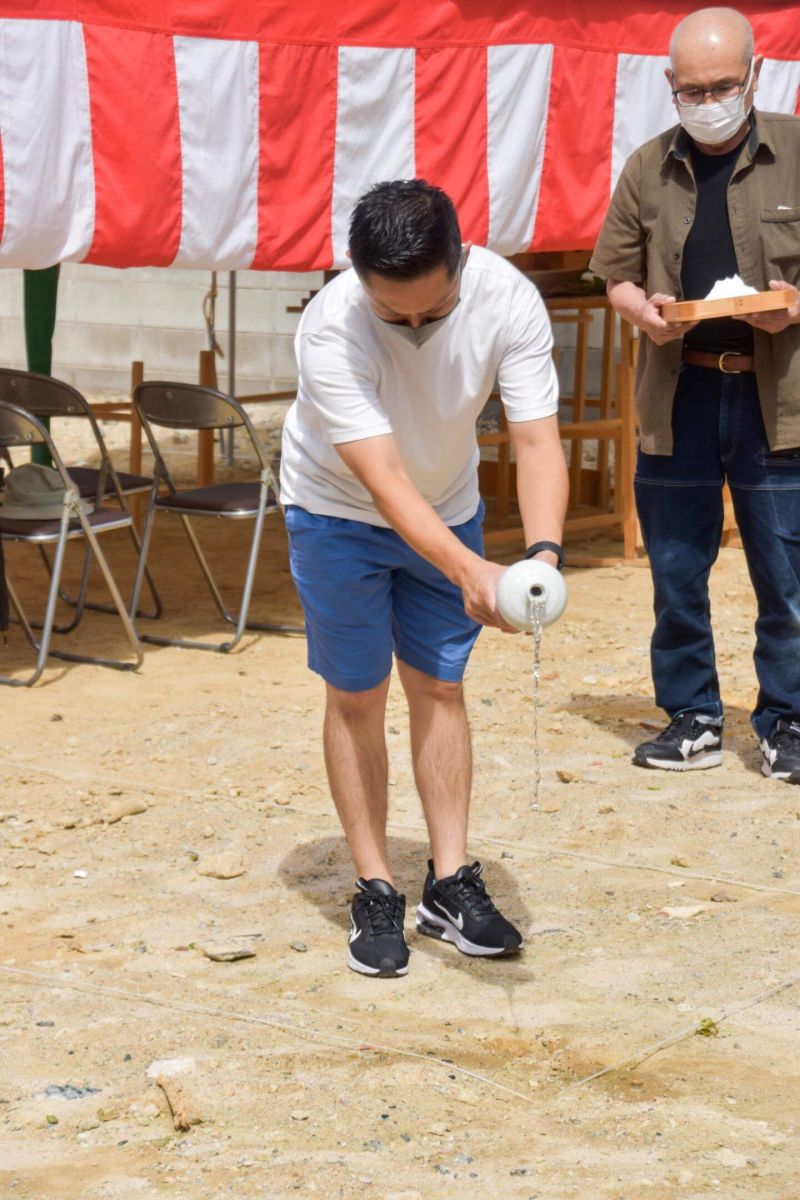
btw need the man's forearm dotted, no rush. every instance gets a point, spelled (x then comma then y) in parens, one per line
(643, 311)
(542, 493)
(542, 480)
(628, 299)
(377, 465)
(410, 515)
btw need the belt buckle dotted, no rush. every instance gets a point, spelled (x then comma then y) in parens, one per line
(722, 367)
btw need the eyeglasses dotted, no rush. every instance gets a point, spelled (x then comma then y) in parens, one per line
(723, 93)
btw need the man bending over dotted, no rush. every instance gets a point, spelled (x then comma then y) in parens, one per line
(396, 359)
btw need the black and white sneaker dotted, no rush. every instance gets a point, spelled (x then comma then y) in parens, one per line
(691, 742)
(376, 945)
(780, 752)
(458, 909)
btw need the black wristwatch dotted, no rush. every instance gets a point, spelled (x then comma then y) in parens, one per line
(553, 547)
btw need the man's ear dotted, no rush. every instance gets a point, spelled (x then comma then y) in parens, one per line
(465, 249)
(756, 72)
(349, 255)
(669, 75)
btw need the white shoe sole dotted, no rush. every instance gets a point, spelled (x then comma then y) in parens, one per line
(451, 933)
(363, 969)
(768, 773)
(700, 763)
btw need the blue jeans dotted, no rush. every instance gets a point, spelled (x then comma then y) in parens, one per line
(719, 435)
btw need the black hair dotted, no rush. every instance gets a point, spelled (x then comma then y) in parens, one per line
(404, 228)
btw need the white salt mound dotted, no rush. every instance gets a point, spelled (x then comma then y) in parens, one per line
(724, 289)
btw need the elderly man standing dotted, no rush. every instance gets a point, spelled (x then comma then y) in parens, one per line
(716, 196)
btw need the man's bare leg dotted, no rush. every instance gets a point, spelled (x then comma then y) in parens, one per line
(457, 910)
(357, 765)
(442, 757)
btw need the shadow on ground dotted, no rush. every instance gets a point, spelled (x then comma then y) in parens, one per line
(321, 872)
(634, 719)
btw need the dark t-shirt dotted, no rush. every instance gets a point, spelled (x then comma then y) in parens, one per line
(708, 254)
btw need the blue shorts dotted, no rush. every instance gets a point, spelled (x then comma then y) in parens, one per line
(365, 593)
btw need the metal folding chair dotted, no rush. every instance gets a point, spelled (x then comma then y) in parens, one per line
(46, 397)
(190, 407)
(20, 428)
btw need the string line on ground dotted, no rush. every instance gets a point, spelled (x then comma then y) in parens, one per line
(541, 851)
(683, 1035)
(302, 1031)
(322, 1037)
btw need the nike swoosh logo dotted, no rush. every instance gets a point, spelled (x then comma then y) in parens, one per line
(354, 933)
(706, 741)
(457, 921)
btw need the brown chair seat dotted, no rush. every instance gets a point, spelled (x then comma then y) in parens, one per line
(225, 499)
(85, 479)
(48, 531)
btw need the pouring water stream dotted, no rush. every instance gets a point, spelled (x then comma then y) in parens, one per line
(536, 607)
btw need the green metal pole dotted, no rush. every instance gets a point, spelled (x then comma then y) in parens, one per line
(41, 292)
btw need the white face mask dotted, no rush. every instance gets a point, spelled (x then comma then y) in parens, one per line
(713, 124)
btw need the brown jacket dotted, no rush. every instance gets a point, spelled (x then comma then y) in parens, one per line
(642, 241)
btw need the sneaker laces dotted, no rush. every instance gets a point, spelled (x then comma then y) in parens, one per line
(382, 912)
(469, 890)
(786, 736)
(679, 725)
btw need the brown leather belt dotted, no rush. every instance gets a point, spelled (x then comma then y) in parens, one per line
(728, 362)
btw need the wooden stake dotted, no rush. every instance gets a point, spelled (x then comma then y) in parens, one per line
(205, 438)
(183, 1108)
(135, 445)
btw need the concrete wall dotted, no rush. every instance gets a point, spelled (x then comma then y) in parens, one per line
(107, 318)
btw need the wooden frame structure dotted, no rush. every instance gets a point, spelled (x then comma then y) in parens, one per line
(601, 494)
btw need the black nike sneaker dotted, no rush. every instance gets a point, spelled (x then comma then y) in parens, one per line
(458, 909)
(691, 742)
(376, 945)
(780, 752)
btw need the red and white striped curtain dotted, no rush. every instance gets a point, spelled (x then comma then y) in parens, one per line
(219, 134)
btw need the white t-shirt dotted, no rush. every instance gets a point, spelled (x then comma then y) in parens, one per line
(360, 377)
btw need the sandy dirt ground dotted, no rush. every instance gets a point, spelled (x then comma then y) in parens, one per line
(659, 912)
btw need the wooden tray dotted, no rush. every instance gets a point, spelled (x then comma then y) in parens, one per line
(732, 306)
